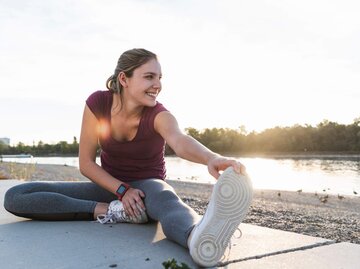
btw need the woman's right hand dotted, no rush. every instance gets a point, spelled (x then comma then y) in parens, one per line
(133, 203)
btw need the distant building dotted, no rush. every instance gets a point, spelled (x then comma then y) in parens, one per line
(5, 140)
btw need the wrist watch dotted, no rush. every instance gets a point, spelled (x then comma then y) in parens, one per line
(120, 192)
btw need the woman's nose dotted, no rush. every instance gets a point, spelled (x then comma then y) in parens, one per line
(157, 85)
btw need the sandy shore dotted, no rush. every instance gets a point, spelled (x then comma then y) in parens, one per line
(322, 215)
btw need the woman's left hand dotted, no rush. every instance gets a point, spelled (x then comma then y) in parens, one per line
(220, 163)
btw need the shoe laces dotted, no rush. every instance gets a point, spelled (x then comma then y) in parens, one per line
(225, 257)
(113, 217)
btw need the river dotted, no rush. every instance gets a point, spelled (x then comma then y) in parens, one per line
(335, 174)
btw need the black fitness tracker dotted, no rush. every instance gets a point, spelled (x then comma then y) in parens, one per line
(120, 192)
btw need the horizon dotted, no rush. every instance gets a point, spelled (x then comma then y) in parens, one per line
(255, 64)
(241, 128)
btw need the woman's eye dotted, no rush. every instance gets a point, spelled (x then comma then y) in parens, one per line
(149, 77)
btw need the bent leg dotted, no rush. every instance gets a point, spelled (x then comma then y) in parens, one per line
(162, 204)
(55, 200)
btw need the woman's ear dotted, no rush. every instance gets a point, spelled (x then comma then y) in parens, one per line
(122, 79)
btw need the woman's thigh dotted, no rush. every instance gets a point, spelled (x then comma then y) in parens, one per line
(161, 200)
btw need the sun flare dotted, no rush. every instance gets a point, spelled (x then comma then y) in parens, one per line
(103, 129)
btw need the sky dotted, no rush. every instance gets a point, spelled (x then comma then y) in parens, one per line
(228, 63)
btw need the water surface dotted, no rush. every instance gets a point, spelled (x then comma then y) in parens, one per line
(334, 174)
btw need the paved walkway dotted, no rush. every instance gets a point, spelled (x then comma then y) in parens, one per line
(29, 244)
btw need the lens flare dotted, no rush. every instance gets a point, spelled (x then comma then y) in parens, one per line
(104, 129)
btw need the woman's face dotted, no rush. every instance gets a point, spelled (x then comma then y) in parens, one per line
(144, 85)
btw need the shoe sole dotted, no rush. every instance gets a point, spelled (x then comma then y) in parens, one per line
(229, 204)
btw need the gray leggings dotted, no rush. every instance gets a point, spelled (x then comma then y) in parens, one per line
(77, 201)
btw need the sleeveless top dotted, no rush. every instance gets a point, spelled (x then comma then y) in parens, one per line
(138, 159)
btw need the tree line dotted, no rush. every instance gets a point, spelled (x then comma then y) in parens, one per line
(325, 137)
(61, 148)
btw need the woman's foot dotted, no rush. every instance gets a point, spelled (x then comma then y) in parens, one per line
(116, 213)
(100, 209)
(228, 206)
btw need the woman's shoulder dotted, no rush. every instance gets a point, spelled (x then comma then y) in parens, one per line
(152, 112)
(99, 95)
(150, 115)
(159, 107)
(98, 101)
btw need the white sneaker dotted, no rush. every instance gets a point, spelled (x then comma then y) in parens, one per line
(116, 213)
(228, 206)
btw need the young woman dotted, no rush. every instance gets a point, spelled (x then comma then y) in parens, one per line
(131, 128)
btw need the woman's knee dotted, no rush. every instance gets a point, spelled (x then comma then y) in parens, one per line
(10, 198)
(13, 197)
(159, 192)
(158, 196)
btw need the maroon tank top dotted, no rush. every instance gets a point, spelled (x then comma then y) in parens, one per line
(138, 159)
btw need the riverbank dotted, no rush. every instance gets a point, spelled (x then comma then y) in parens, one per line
(315, 214)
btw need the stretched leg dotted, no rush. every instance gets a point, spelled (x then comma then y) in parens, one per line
(162, 204)
(228, 206)
(56, 200)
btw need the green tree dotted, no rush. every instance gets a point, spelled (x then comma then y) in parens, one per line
(3, 147)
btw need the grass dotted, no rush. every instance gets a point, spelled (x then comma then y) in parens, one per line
(172, 264)
(16, 170)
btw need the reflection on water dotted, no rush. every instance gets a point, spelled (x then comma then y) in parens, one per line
(328, 166)
(311, 175)
(335, 174)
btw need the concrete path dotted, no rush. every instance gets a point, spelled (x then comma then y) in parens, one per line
(30, 244)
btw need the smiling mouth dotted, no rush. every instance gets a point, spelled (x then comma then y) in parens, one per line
(152, 94)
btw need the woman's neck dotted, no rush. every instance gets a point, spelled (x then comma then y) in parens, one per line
(126, 108)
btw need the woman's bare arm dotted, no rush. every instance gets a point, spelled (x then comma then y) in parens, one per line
(190, 149)
(90, 131)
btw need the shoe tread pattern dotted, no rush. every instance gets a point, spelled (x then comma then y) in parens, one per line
(231, 196)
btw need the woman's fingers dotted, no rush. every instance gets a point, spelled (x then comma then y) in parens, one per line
(128, 209)
(139, 200)
(214, 172)
(239, 168)
(221, 163)
(133, 203)
(135, 209)
(243, 169)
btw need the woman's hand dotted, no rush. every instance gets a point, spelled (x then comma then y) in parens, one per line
(220, 163)
(133, 203)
